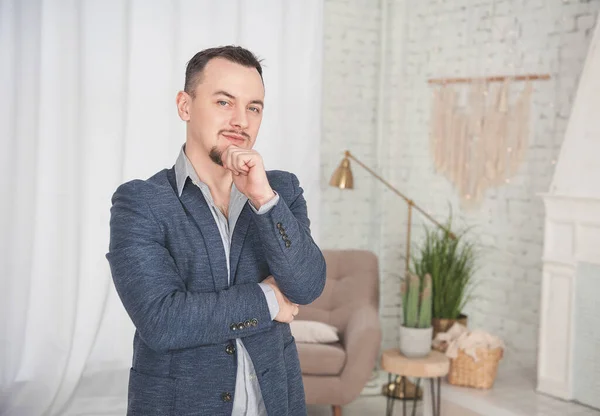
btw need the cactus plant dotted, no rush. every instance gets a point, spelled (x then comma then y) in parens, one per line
(416, 301)
(426, 307)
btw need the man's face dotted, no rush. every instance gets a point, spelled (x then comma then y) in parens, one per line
(227, 108)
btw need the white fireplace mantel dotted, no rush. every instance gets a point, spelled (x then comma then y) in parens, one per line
(572, 232)
(572, 236)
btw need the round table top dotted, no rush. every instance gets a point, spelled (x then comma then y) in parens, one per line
(434, 365)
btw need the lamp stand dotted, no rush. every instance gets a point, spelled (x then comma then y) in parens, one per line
(342, 178)
(395, 389)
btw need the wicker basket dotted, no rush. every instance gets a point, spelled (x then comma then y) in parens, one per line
(464, 371)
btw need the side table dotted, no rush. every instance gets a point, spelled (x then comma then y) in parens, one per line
(434, 366)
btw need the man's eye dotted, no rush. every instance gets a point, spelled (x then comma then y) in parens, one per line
(255, 109)
(222, 103)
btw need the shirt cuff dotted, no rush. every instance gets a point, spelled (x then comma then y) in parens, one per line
(271, 299)
(266, 207)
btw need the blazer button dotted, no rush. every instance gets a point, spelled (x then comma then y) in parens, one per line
(288, 243)
(233, 327)
(240, 326)
(247, 324)
(230, 349)
(226, 397)
(279, 225)
(254, 322)
(281, 231)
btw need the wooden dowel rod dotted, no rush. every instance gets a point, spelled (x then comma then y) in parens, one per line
(489, 79)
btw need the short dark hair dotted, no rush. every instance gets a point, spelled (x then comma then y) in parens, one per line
(236, 54)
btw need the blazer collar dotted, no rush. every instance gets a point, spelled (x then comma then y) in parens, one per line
(196, 206)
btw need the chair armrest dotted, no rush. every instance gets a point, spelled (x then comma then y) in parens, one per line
(362, 342)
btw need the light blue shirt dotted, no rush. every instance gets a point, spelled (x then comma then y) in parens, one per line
(247, 399)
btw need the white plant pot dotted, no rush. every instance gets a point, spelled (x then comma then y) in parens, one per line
(415, 342)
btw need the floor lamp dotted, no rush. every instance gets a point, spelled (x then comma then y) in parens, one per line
(342, 178)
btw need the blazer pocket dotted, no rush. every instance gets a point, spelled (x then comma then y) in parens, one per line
(150, 395)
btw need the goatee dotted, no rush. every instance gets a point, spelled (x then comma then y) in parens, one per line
(215, 156)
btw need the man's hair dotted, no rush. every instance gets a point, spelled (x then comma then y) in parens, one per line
(236, 54)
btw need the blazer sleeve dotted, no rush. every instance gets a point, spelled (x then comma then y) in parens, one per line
(294, 259)
(166, 315)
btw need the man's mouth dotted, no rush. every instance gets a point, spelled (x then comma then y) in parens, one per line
(235, 138)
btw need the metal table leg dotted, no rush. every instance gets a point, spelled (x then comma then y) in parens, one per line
(414, 412)
(432, 385)
(389, 410)
(403, 395)
(436, 397)
(439, 396)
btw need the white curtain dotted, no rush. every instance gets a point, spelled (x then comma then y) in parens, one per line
(87, 92)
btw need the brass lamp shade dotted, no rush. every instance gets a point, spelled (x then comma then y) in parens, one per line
(342, 177)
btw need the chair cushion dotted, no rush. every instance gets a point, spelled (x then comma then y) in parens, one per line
(314, 332)
(321, 359)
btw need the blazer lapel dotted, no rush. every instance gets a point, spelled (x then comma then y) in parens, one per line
(237, 240)
(196, 207)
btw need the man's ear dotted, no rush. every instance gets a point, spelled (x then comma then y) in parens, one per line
(183, 101)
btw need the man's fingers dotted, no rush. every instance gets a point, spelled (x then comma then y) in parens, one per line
(294, 310)
(288, 312)
(287, 309)
(239, 160)
(228, 158)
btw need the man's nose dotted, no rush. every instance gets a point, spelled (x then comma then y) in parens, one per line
(239, 119)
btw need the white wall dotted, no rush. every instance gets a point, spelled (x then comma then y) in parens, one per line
(443, 38)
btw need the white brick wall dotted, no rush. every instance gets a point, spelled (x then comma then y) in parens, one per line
(447, 38)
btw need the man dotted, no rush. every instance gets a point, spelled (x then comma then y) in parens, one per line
(212, 257)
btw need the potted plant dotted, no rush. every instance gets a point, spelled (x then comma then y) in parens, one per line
(450, 260)
(416, 333)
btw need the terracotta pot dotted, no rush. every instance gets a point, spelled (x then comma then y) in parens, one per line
(443, 325)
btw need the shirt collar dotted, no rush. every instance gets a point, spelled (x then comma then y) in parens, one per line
(184, 170)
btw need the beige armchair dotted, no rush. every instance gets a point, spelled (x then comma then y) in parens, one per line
(335, 374)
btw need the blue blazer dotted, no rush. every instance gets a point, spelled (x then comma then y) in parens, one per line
(169, 268)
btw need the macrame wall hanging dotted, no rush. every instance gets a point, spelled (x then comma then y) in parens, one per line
(479, 134)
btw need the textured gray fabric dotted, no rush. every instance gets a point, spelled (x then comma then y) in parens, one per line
(170, 269)
(247, 398)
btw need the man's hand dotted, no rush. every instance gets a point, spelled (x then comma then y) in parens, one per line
(287, 309)
(249, 174)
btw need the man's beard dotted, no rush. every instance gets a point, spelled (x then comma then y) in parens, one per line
(215, 156)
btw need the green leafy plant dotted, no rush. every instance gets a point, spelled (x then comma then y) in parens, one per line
(451, 264)
(416, 301)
